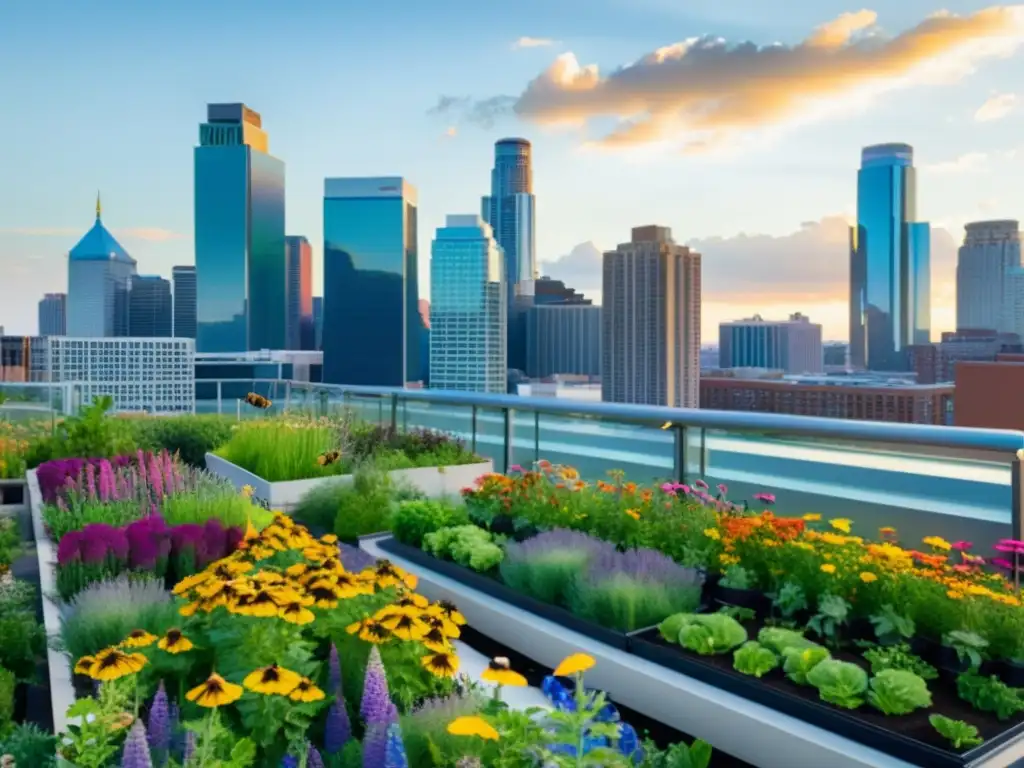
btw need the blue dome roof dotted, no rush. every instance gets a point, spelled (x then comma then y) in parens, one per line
(99, 245)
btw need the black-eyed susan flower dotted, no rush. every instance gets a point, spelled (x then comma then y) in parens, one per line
(113, 663)
(500, 671)
(370, 631)
(436, 641)
(296, 613)
(174, 642)
(447, 626)
(188, 609)
(472, 726)
(84, 664)
(329, 538)
(296, 570)
(306, 691)
(261, 605)
(272, 680)
(411, 600)
(441, 664)
(215, 692)
(139, 638)
(324, 593)
(404, 625)
(447, 610)
(574, 665)
(191, 582)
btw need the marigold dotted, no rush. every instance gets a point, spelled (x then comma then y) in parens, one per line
(937, 542)
(828, 568)
(812, 517)
(841, 524)
(712, 533)
(867, 577)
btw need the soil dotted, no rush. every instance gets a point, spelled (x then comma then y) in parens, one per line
(945, 700)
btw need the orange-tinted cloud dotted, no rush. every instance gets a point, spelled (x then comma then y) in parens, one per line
(703, 89)
(147, 234)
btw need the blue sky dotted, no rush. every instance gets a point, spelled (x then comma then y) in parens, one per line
(108, 95)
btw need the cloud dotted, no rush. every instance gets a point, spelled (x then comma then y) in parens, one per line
(967, 163)
(996, 108)
(533, 42)
(700, 91)
(452, 132)
(146, 234)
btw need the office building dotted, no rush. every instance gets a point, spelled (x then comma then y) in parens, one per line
(53, 314)
(563, 332)
(793, 345)
(22, 358)
(988, 393)
(299, 288)
(150, 375)
(936, 363)
(990, 251)
(469, 307)
(650, 330)
(425, 341)
(371, 287)
(239, 234)
(890, 277)
(149, 307)
(184, 279)
(318, 323)
(510, 210)
(98, 273)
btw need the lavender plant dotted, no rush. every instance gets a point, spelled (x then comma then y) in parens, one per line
(546, 565)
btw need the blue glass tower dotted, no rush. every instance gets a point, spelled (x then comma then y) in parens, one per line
(371, 322)
(890, 262)
(239, 229)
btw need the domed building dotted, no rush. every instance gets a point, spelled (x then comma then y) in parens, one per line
(99, 272)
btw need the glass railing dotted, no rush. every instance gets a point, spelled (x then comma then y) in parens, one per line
(30, 402)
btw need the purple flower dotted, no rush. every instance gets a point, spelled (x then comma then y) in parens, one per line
(190, 747)
(177, 737)
(106, 481)
(338, 729)
(394, 751)
(375, 744)
(376, 706)
(313, 759)
(90, 478)
(136, 751)
(288, 761)
(69, 548)
(334, 672)
(160, 723)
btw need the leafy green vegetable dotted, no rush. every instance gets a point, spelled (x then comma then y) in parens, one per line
(800, 662)
(780, 639)
(790, 599)
(969, 647)
(671, 626)
(899, 657)
(752, 658)
(466, 545)
(990, 694)
(839, 682)
(898, 692)
(833, 611)
(960, 734)
(711, 634)
(892, 627)
(736, 577)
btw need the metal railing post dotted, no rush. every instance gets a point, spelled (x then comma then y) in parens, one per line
(536, 436)
(394, 413)
(508, 443)
(1017, 508)
(220, 397)
(472, 429)
(287, 395)
(682, 453)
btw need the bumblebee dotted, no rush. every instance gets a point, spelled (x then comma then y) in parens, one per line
(258, 401)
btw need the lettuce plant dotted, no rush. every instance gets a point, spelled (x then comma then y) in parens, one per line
(801, 662)
(711, 634)
(839, 682)
(754, 659)
(898, 692)
(959, 734)
(467, 545)
(780, 640)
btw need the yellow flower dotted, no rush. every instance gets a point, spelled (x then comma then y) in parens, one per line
(370, 631)
(441, 664)
(247, 491)
(812, 517)
(296, 613)
(828, 568)
(472, 726)
(725, 559)
(841, 524)
(937, 542)
(405, 626)
(633, 513)
(306, 691)
(498, 671)
(574, 664)
(113, 663)
(867, 577)
(139, 638)
(84, 664)
(954, 594)
(174, 642)
(272, 680)
(712, 533)
(215, 692)
(833, 538)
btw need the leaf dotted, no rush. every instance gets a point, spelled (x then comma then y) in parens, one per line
(84, 707)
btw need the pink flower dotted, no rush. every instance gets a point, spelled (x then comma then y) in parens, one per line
(767, 498)
(1010, 545)
(516, 468)
(961, 546)
(700, 484)
(686, 489)
(723, 488)
(1000, 562)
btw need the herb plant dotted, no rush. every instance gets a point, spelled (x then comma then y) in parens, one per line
(413, 520)
(790, 599)
(969, 647)
(990, 694)
(466, 545)
(736, 577)
(899, 657)
(833, 612)
(892, 627)
(960, 735)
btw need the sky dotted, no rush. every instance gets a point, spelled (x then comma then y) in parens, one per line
(737, 126)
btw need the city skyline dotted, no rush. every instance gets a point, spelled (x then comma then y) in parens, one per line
(804, 171)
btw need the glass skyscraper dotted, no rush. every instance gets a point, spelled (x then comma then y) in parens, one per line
(371, 289)
(53, 314)
(299, 270)
(184, 279)
(149, 307)
(239, 234)
(890, 262)
(468, 348)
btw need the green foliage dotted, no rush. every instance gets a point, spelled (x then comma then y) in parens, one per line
(839, 682)
(969, 647)
(990, 694)
(10, 542)
(547, 577)
(892, 627)
(218, 746)
(695, 755)
(91, 433)
(351, 755)
(59, 522)
(899, 657)
(711, 634)
(425, 729)
(413, 520)
(626, 602)
(7, 685)
(959, 734)
(790, 599)
(672, 626)
(800, 662)
(467, 545)
(30, 745)
(736, 577)
(898, 692)
(781, 640)
(365, 506)
(191, 436)
(91, 740)
(833, 612)
(278, 450)
(22, 640)
(737, 612)
(752, 658)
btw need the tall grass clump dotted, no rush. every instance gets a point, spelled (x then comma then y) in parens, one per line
(278, 450)
(546, 565)
(425, 729)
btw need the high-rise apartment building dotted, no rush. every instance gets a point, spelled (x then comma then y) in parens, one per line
(563, 332)
(510, 210)
(371, 286)
(793, 345)
(890, 262)
(98, 273)
(468, 311)
(990, 251)
(184, 279)
(149, 307)
(318, 323)
(53, 318)
(239, 234)
(299, 285)
(650, 340)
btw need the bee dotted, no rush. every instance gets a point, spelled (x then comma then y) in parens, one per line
(327, 458)
(258, 401)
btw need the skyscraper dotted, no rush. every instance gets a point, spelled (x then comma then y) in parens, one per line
(149, 307)
(510, 210)
(184, 302)
(990, 250)
(53, 319)
(468, 349)
(98, 273)
(371, 287)
(890, 262)
(239, 232)
(299, 284)
(318, 322)
(650, 340)
(563, 332)
(793, 345)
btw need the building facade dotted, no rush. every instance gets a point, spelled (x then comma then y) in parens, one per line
(650, 338)
(793, 345)
(563, 338)
(149, 307)
(991, 249)
(318, 323)
(184, 279)
(149, 375)
(371, 286)
(299, 285)
(22, 358)
(936, 363)
(469, 307)
(98, 273)
(239, 234)
(53, 314)
(890, 262)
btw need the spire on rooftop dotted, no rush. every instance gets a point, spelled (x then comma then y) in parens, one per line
(99, 208)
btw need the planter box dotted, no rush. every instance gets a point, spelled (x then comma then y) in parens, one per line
(751, 731)
(499, 591)
(12, 495)
(434, 482)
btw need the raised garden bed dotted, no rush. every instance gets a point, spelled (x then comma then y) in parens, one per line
(12, 493)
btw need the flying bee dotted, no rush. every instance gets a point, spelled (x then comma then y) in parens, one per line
(258, 401)
(327, 458)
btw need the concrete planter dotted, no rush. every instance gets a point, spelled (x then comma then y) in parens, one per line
(434, 482)
(12, 496)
